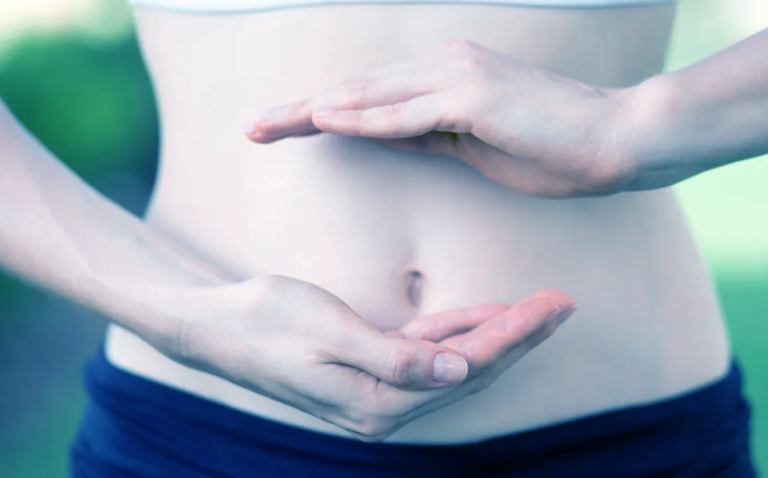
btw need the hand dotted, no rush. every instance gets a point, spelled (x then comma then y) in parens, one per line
(299, 344)
(524, 128)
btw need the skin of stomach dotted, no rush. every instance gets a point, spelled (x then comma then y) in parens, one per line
(364, 221)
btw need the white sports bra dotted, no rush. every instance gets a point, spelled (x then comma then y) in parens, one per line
(231, 6)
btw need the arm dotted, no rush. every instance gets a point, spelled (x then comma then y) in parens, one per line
(544, 134)
(712, 113)
(57, 232)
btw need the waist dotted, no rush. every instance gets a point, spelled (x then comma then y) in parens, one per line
(361, 221)
(358, 220)
(138, 427)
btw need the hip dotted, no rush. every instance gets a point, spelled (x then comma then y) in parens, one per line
(134, 427)
(607, 356)
(360, 221)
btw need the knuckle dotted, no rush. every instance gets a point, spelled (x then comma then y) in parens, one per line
(470, 57)
(480, 78)
(398, 364)
(359, 89)
(606, 175)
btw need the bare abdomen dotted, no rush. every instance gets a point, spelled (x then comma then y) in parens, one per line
(395, 235)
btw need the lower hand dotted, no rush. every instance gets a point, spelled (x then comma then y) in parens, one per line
(299, 344)
(524, 128)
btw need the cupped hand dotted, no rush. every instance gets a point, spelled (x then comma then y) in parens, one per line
(524, 128)
(299, 344)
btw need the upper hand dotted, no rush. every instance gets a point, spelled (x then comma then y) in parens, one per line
(299, 344)
(524, 128)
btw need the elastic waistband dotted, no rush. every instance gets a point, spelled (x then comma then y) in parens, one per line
(701, 427)
(247, 6)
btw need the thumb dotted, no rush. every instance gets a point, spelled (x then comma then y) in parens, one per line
(403, 363)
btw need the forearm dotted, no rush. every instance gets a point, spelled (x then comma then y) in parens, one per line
(62, 235)
(710, 114)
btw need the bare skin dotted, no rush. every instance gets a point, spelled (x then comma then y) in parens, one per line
(544, 134)
(316, 282)
(363, 221)
(277, 336)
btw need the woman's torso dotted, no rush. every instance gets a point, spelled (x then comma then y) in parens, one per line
(357, 219)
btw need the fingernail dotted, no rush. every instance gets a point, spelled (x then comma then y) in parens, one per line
(449, 368)
(250, 127)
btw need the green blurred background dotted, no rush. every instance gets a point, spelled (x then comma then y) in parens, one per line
(72, 72)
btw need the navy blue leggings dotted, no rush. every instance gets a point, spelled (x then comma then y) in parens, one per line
(136, 428)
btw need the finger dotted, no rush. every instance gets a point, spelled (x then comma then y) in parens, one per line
(442, 111)
(307, 132)
(495, 344)
(439, 326)
(395, 82)
(292, 135)
(285, 120)
(392, 84)
(503, 340)
(359, 113)
(403, 363)
(436, 327)
(395, 86)
(564, 301)
(524, 325)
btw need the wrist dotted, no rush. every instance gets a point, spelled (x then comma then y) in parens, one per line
(646, 133)
(163, 315)
(202, 323)
(674, 126)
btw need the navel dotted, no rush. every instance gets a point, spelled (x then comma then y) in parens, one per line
(415, 287)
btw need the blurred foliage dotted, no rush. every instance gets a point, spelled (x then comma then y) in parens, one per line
(90, 103)
(744, 300)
